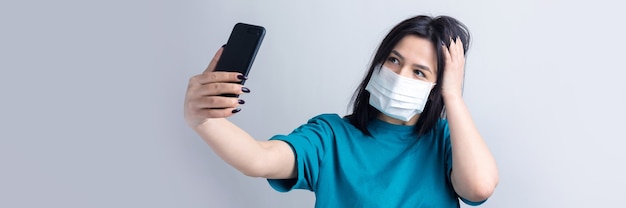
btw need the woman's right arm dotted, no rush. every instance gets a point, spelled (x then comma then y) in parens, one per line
(206, 112)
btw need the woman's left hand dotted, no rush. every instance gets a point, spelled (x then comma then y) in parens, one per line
(454, 57)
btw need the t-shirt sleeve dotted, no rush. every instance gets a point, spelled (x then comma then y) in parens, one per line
(308, 143)
(446, 136)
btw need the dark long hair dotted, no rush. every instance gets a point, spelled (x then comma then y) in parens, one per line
(439, 30)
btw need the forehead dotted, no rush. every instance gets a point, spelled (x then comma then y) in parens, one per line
(417, 50)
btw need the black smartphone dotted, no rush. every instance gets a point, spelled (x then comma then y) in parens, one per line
(241, 49)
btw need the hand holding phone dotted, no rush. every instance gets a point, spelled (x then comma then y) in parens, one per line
(213, 94)
(241, 49)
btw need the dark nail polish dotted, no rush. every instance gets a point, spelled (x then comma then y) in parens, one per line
(245, 89)
(241, 77)
(224, 45)
(236, 110)
(241, 101)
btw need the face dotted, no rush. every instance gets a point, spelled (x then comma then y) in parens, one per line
(414, 57)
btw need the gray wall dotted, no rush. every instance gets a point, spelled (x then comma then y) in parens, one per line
(91, 111)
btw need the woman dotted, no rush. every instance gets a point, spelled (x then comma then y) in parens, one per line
(398, 148)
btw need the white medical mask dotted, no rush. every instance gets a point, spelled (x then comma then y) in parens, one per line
(397, 96)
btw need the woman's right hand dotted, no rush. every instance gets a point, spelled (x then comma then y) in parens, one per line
(203, 100)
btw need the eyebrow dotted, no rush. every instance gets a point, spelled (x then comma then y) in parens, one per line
(415, 65)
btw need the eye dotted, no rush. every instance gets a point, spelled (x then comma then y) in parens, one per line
(393, 60)
(418, 73)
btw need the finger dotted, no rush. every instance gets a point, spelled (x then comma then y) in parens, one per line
(214, 61)
(452, 50)
(460, 48)
(221, 88)
(459, 52)
(217, 113)
(216, 77)
(216, 102)
(456, 50)
(446, 54)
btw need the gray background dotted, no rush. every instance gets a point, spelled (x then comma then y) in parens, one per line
(92, 92)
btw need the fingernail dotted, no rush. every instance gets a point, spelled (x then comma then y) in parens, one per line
(236, 110)
(224, 45)
(245, 89)
(241, 101)
(241, 77)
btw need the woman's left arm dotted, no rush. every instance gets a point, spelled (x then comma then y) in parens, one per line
(474, 172)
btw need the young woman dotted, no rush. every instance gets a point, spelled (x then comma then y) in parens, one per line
(398, 148)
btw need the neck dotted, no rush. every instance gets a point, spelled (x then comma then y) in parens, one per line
(391, 120)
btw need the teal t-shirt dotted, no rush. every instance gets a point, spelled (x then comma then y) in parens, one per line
(392, 168)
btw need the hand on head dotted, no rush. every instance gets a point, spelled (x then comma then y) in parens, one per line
(454, 57)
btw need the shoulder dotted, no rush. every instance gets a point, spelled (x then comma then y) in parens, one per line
(441, 129)
(443, 132)
(330, 119)
(323, 126)
(442, 124)
(327, 117)
(328, 124)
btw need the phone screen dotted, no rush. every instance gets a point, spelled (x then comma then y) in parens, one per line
(241, 49)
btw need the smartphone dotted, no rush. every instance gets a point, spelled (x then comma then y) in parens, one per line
(241, 49)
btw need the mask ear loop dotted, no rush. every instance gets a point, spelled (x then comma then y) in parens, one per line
(378, 67)
(375, 72)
